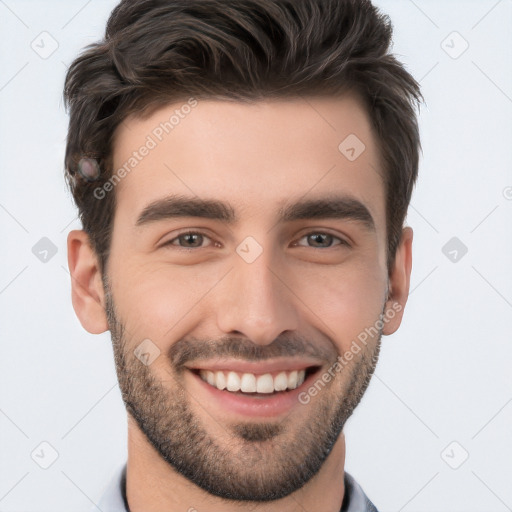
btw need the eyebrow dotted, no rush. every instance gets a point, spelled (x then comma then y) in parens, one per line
(332, 207)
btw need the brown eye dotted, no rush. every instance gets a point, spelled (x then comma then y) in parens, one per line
(188, 240)
(319, 240)
(193, 239)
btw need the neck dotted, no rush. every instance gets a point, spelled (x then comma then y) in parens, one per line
(152, 485)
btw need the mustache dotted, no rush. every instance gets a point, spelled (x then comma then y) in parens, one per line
(193, 349)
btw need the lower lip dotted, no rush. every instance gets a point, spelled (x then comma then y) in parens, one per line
(251, 405)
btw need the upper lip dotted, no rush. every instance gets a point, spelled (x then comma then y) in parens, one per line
(238, 365)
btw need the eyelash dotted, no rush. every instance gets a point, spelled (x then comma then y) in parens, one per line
(341, 240)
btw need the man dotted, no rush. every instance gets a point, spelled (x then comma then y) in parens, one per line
(242, 172)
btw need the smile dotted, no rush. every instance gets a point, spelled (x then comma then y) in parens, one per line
(251, 383)
(263, 395)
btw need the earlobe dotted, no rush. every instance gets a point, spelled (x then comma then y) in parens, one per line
(399, 282)
(87, 293)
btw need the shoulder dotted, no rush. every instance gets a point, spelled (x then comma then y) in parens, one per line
(355, 499)
(113, 498)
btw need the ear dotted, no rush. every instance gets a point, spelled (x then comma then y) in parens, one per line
(399, 281)
(86, 285)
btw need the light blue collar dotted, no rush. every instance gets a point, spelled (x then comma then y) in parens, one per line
(113, 498)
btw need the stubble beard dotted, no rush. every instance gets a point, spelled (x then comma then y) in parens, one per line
(252, 461)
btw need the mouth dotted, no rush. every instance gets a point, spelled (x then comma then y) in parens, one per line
(252, 394)
(256, 384)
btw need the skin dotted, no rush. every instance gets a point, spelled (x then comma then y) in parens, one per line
(316, 297)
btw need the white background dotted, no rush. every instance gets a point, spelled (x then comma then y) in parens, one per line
(444, 376)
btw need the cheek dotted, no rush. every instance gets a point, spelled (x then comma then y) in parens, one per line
(347, 301)
(156, 299)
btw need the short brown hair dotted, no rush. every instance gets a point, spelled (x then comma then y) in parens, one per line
(156, 52)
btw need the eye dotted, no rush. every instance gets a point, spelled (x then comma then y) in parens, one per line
(322, 240)
(191, 239)
(195, 239)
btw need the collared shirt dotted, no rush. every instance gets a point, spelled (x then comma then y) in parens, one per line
(114, 498)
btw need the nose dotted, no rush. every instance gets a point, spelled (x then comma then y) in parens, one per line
(256, 301)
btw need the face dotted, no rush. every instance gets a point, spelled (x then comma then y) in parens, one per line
(245, 242)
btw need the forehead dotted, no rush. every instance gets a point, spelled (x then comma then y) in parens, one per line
(255, 156)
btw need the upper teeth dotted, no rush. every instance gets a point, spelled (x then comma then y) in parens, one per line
(250, 383)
